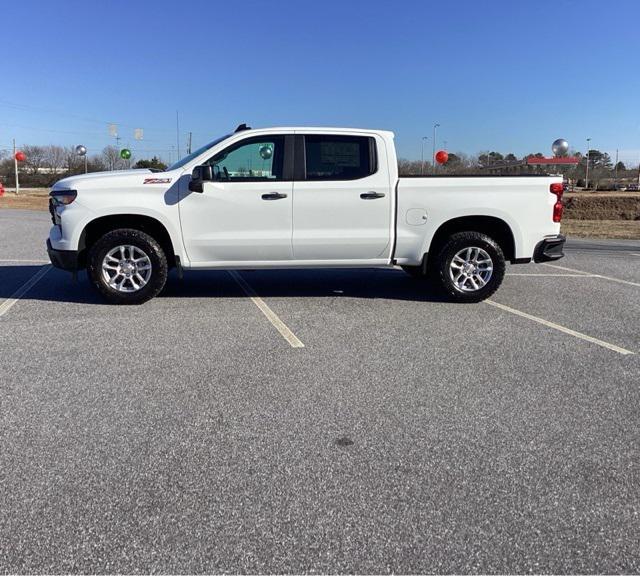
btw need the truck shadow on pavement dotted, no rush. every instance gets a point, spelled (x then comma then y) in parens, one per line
(369, 283)
(310, 283)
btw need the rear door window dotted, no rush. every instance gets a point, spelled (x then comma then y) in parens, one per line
(339, 157)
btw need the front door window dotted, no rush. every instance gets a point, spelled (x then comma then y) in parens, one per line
(253, 160)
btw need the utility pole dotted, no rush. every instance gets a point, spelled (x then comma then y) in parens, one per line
(424, 138)
(615, 171)
(178, 134)
(586, 178)
(15, 165)
(433, 157)
(189, 147)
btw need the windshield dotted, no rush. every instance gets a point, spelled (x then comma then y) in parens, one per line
(187, 159)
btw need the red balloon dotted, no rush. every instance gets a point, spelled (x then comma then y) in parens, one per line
(442, 157)
(20, 156)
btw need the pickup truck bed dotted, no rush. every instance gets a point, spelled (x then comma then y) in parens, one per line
(523, 203)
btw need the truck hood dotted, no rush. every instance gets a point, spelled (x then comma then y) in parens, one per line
(114, 179)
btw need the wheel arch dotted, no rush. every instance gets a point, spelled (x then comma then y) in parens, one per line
(99, 226)
(492, 226)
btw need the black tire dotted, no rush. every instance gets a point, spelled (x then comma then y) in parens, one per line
(461, 241)
(140, 240)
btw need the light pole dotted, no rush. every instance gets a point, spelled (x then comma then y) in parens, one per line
(586, 178)
(424, 138)
(15, 165)
(433, 157)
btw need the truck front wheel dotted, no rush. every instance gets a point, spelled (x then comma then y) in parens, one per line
(470, 267)
(127, 266)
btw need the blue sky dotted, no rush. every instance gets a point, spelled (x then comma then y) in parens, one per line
(505, 75)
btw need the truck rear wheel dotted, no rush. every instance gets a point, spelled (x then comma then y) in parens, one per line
(127, 266)
(470, 267)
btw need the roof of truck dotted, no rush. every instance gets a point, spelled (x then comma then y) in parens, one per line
(329, 129)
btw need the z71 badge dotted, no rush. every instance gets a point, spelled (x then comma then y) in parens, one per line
(157, 181)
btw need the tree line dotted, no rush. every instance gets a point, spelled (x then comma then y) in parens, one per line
(44, 165)
(603, 173)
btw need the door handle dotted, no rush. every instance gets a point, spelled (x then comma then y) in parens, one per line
(371, 195)
(273, 196)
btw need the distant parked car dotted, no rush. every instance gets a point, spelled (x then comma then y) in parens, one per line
(1, 189)
(633, 188)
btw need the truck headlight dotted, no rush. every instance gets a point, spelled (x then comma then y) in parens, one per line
(62, 197)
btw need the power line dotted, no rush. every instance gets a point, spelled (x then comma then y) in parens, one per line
(39, 129)
(28, 107)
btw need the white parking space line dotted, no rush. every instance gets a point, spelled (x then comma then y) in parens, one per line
(565, 268)
(556, 275)
(279, 325)
(560, 328)
(20, 260)
(634, 254)
(20, 292)
(620, 281)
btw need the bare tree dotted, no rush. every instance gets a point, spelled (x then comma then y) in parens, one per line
(55, 159)
(111, 158)
(460, 163)
(469, 160)
(36, 158)
(73, 162)
(412, 167)
(96, 164)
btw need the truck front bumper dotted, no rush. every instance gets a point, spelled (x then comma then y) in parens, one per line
(549, 249)
(63, 259)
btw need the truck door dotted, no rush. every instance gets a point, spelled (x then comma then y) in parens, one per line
(245, 213)
(341, 198)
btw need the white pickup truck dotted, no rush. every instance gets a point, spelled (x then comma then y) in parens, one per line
(300, 197)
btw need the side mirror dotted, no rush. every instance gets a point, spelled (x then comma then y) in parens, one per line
(199, 175)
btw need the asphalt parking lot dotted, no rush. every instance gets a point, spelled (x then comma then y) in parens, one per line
(325, 421)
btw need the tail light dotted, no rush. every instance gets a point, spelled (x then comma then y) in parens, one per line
(557, 188)
(558, 208)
